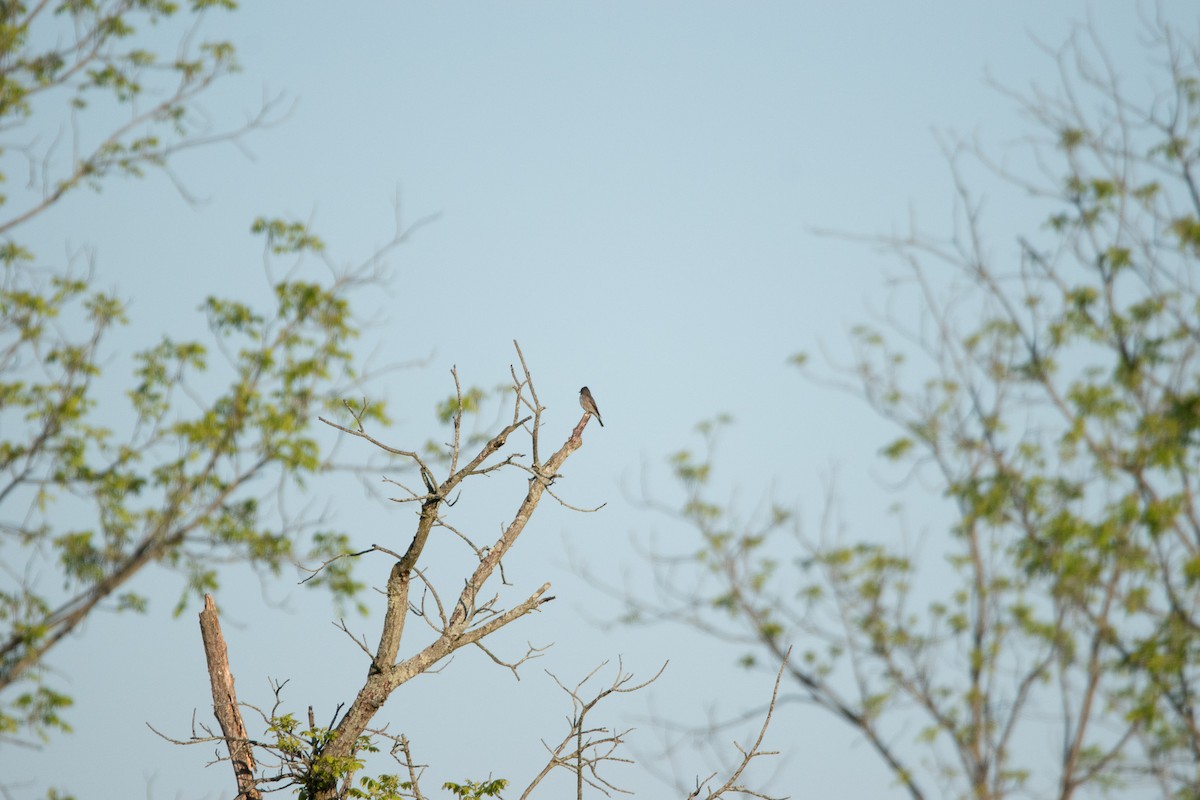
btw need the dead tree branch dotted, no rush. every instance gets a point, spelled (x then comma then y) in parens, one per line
(225, 705)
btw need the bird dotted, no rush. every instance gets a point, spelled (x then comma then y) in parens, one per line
(589, 404)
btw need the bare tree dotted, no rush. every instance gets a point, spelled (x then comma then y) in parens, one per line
(323, 762)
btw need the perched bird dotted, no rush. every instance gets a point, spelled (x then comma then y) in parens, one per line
(589, 404)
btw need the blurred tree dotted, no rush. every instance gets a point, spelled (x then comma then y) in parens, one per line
(1050, 390)
(186, 470)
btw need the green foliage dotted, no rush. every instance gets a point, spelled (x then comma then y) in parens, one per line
(308, 767)
(71, 57)
(314, 773)
(470, 403)
(287, 237)
(173, 486)
(476, 791)
(383, 787)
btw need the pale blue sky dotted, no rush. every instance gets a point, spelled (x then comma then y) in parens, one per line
(628, 189)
